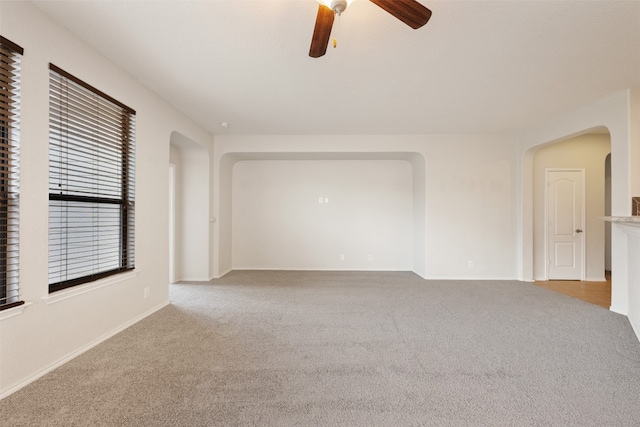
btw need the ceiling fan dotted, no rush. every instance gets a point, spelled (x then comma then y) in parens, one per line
(410, 12)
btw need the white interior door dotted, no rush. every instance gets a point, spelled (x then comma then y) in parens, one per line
(565, 224)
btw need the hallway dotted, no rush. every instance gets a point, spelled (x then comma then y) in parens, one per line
(598, 293)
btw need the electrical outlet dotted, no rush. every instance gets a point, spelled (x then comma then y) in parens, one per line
(370, 257)
(146, 292)
(341, 257)
(470, 264)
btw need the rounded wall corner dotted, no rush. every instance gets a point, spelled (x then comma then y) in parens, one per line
(183, 142)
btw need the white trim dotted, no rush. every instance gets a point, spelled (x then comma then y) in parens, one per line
(89, 287)
(545, 251)
(13, 311)
(222, 274)
(618, 311)
(585, 230)
(635, 329)
(463, 279)
(426, 277)
(172, 223)
(595, 279)
(78, 352)
(192, 279)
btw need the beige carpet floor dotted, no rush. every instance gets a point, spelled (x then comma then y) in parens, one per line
(350, 349)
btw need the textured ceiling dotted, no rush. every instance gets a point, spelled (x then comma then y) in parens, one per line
(476, 67)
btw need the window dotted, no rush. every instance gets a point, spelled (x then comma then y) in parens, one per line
(91, 183)
(10, 55)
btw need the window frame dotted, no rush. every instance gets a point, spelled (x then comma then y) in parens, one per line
(88, 111)
(10, 59)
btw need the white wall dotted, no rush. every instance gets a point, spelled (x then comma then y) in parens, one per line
(633, 248)
(588, 152)
(175, 160)
(464, 194)
(419, 214)
(471, 196)
(51, 329)
(366, 215)
(193, 208)
(607, 212)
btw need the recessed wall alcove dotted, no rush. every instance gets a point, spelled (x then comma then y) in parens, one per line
(321, 211)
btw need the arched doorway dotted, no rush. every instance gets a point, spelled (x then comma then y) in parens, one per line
(584, 155)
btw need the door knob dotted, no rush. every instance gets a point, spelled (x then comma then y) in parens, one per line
(578, 230)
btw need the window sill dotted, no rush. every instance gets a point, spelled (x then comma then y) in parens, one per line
(15, 311)
(89, 287)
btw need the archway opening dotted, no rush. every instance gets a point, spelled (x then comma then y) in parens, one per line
(582, 267)
(189, 209)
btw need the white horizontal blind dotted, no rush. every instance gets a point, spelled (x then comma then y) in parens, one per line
(91, 183)
(10, 56)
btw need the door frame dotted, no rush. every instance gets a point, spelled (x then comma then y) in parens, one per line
(582, 219)
(172, 223)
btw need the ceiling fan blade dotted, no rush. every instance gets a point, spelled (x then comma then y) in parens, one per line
(321, 32)
(410, 12)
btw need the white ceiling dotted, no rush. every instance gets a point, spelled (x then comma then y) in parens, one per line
(476, 67)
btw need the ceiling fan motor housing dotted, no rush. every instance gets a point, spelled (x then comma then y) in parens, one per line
(338, 6)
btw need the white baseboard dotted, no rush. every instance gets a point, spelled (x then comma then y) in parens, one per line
(636, 328)
(78, 352)
(588, 279)
(222, 273)
(193, 279)
(619, 311)
(475, 279)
